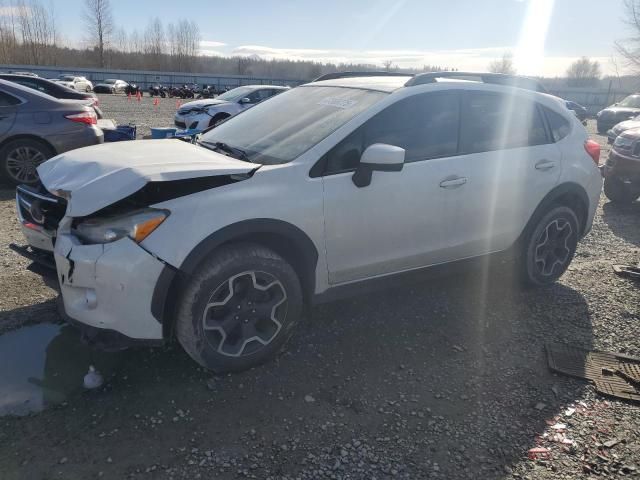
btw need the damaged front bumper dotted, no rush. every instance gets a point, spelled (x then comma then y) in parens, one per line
(109, 286)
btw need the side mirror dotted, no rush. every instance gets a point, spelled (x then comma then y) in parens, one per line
(377, 157)
(245, 100)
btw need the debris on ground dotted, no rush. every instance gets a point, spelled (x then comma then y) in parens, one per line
(93, 379)
(628, 271)
(612, 374)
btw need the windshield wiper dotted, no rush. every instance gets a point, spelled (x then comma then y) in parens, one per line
(234, 152)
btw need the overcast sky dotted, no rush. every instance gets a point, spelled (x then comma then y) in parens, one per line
(544, 35)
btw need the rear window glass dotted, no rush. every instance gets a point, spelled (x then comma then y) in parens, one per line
(498, 122)
(7, 100)
(559, 125)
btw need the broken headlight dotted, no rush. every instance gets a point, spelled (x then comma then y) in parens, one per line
(136, 225)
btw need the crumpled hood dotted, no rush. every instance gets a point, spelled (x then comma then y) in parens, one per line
(200, 104)
(92, 178)
(626, 125)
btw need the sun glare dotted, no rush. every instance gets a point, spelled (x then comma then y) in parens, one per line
(529, 57)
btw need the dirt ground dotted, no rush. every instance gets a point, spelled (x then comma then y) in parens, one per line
(444, 379)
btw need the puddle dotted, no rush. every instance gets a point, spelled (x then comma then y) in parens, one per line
(45, 364)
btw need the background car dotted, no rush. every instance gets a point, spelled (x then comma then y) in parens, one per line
(202, 114)
(581, 112)
(110, 85)
(54, 89)
(35, 126)
(618, 112)
(622, 170)
(81, 84)
(622, 127)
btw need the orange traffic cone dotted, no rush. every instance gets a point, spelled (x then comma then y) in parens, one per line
(156, 102)
(178, 103)
(139, 96)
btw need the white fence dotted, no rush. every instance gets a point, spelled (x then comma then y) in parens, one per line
(146, 78)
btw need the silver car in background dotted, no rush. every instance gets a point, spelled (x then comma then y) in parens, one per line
(35, 126)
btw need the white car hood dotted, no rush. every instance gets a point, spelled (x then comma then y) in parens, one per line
(92, 178)
(202, 103)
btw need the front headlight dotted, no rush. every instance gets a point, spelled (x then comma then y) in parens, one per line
(136, 225)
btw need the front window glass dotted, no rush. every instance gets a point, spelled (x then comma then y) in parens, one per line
(235, 94)
(632, 101)
(67, 78)
(110, 80)
(289, 124)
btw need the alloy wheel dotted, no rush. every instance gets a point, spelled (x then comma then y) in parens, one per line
(553, 247)
(22, 163)
(245, 313)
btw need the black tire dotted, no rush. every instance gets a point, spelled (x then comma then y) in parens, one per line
(549, 246)
(88, 89)
(227, 287)
(218, 118)
(619, 192)
(19, 159)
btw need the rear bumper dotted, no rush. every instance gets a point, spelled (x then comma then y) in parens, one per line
(83, 137)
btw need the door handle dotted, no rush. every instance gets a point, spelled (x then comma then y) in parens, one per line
(453, 182)
(545, 165)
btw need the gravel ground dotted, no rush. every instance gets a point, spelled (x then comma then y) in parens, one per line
(446, 379)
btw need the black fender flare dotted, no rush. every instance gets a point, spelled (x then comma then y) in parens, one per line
(566, 193)
(286, 239)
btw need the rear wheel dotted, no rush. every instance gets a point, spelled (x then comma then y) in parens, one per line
(239, 308)
(20, 158)
(620, 192)
(550, 246)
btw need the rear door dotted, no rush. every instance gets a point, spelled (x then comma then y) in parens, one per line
(508, 163)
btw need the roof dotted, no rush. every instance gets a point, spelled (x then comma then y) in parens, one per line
(383, 84)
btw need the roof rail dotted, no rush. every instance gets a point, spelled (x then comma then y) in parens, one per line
(492, 78)
(334, 75)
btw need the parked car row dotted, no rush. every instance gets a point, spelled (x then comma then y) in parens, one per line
(322, 190)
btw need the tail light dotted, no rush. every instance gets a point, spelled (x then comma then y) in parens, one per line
(593, 149)
(88, 117)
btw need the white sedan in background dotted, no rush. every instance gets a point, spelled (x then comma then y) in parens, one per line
(202, 114)
(81, 84)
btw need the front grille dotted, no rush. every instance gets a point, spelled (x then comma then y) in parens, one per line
(38, 206)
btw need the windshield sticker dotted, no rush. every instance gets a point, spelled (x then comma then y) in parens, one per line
(337, 102)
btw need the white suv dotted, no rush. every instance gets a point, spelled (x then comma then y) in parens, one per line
(322, 188)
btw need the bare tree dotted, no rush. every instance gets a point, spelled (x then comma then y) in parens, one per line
(388, 65)
(629, 48)
(503, 65)
(37, 30)
(99, 22)
(583, 73)
(154, 43)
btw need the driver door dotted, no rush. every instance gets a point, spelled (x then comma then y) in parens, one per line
(396, 222)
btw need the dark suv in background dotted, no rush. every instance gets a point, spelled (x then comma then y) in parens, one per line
(618, 112)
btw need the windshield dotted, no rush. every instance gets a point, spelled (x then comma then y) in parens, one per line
(289, 124)
(67, 78)
(235, 94)
(632, 101)
(110, 80)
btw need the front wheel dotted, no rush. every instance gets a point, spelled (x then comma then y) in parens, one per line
(239, 308)
(550, 246)
(620, 192)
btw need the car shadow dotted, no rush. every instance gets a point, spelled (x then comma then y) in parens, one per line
(7, 192)
(623, 220)
(450, 371)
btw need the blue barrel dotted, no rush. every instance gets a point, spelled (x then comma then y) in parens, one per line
(158, 133)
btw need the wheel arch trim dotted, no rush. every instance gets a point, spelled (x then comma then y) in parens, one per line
(301, 253)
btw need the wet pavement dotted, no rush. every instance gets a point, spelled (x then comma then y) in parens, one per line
(44, 365)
